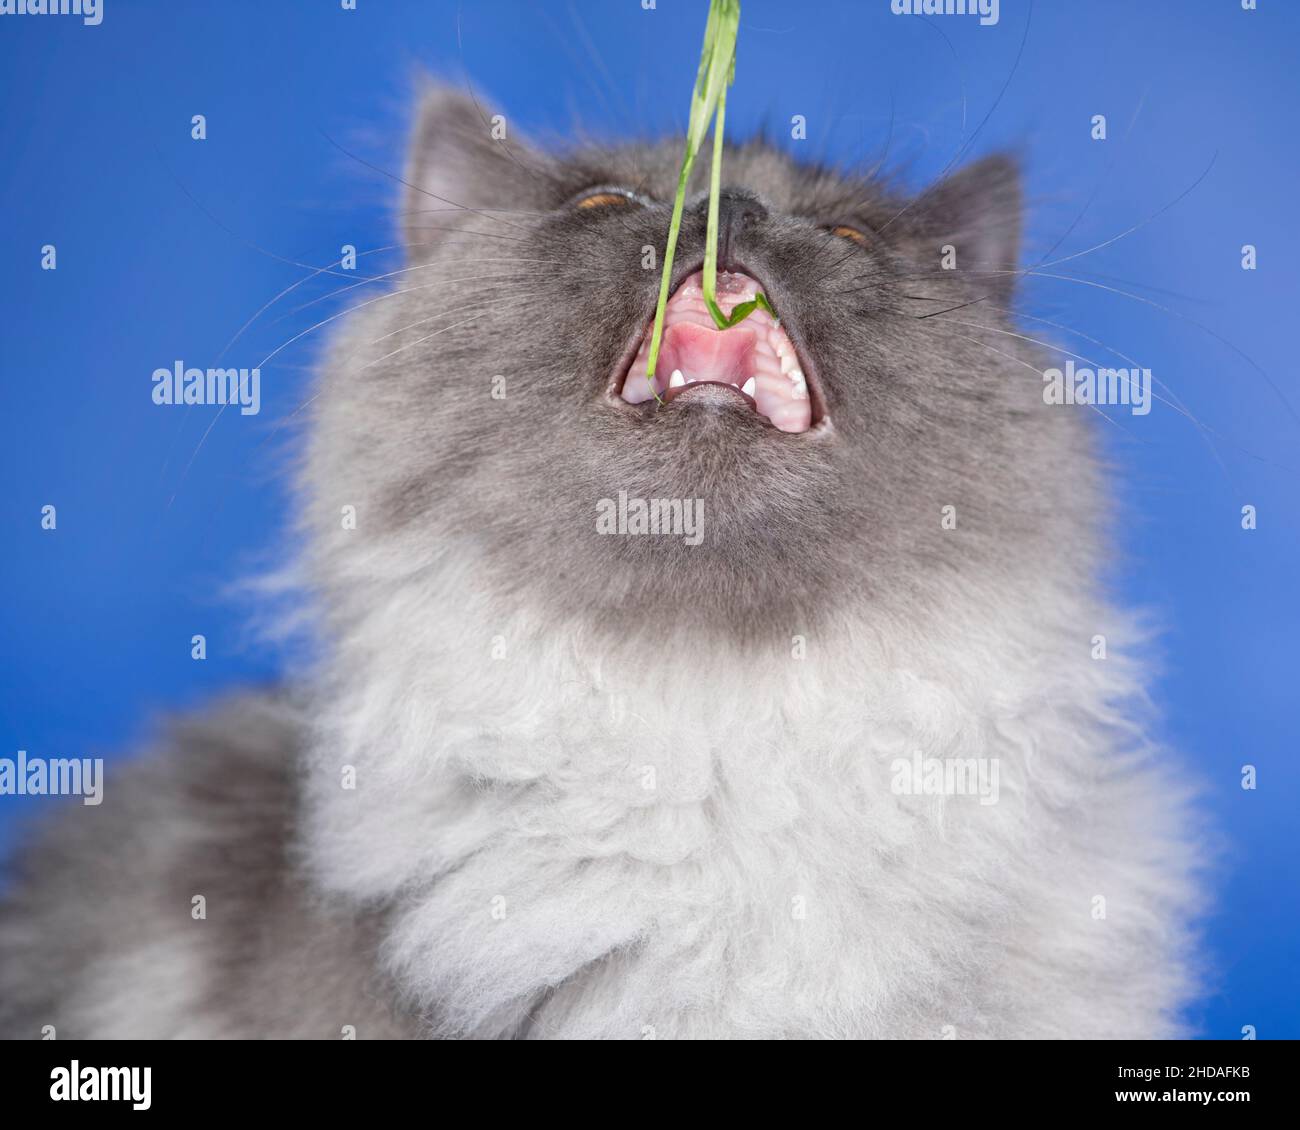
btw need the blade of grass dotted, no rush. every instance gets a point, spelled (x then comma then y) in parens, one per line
(711, 235)
(741, 310)
(716, 72)
(697, 127)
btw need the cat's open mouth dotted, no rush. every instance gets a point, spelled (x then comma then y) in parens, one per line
(754, 362)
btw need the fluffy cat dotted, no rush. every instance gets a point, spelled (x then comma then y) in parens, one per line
(550, 781)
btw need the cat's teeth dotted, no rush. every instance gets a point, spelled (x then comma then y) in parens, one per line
(757, 357)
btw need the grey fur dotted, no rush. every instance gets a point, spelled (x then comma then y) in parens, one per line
(481, 781)
(209, 811)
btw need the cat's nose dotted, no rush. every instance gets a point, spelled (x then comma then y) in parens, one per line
(737, 210)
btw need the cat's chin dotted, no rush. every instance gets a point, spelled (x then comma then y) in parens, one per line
(752, 367)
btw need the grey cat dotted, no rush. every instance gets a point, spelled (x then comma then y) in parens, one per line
(841, 759)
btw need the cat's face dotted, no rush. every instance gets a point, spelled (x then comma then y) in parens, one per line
(500, 400)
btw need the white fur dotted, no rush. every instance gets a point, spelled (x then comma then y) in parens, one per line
(624, 911)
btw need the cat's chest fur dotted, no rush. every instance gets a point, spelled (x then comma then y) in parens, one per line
(598, 840)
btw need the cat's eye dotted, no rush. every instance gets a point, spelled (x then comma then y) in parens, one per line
(604, 198)
(844, 231)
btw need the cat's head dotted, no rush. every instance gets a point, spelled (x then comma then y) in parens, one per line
(495, 405)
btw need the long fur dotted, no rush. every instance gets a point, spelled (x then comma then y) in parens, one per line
(548, 784)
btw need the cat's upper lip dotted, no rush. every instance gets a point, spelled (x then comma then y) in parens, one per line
(758, 360)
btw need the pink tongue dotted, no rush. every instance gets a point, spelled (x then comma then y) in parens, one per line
(703, 354)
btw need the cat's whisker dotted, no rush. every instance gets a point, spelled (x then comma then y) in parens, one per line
(417, 188)
(379, 298)
(1281, 396)
(1175, 403)
(1115, 238)
(639, 237)
(243, 239)
(1102, 181)
(297, 337)
(317, 272)
(950, 309)
(486, 304)
(1178, 294)
(406, 270)
(593, 55)
(1172, 400)
(874, 171)
(1033, 369)
(413, 344)
(1138, 226)
(1054, 348)
(990, 276)
(1206, 430)
(964, 146)
(541, 174)
(1045, 262)
(406, 213)
(288, 290)
(491, 235)
(1094, 277)
(1080, 334)
(285, 420)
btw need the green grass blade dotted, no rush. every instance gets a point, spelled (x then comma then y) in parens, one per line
(716, 72)
(711, 238)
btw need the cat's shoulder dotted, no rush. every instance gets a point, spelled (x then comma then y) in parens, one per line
(188, 843)
(205, 777)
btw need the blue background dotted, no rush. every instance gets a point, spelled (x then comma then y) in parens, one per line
(166, 246)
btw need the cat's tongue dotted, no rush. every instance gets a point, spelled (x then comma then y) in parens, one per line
(755, 357)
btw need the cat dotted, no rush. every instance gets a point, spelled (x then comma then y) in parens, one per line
(554, 780)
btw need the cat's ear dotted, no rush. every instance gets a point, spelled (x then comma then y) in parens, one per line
(970, 223)
(465, 170)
